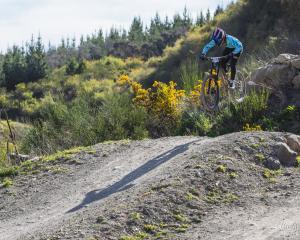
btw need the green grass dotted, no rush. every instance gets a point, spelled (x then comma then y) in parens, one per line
(135, 216)
(233, 175)
(215, 196)
(260, 157)
(137, 236)
(271, 174)
(190, 74)
(221, 169)
(192, 194)
(182, 228)
(7, 182)
(230, 198)
(150, 228)
(180, 218)
(67, 154)
(8, 172)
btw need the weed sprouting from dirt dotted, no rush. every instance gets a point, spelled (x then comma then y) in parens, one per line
(233, 175)
(135, 216)
(260, 157)
(271, 174)
(7, 182)
(221, 169)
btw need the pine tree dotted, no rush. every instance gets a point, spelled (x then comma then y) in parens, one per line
(71, 67)
(114, 34)
(177, 21)
(62, 43)
(36, 60)
(186, 19)
(218, 10)
(14, 67)
(156, 27)
(136, 33)
(73, 42)
(208, 16)
(81, 40)
(167, 25)
(124, 35)
(200, 19)
(68, 43)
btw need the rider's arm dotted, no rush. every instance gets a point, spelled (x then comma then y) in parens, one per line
(208, 46)
(234, 43)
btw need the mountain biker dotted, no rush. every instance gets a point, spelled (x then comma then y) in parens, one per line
(233, 50)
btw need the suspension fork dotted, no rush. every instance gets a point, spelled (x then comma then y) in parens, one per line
(215, 69)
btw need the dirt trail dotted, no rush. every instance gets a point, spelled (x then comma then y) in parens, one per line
(260, 222)
(117, 180)
(61, 198)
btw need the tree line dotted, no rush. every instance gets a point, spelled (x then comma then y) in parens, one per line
(31, 62)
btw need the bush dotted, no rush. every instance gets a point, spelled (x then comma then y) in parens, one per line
(289, 119)
(8, 171)
(163, 104)
(119, 119)
(234, 117)
(196, 123)
(80, 124)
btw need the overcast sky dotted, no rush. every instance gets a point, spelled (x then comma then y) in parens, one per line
(54, 19)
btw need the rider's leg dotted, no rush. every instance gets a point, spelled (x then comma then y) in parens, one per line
(225, 61)
(233, 63)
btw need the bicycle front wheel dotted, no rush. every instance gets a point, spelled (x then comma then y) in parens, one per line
(210, 95)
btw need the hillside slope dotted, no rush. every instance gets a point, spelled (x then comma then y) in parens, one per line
(266, 28)
(169, 188)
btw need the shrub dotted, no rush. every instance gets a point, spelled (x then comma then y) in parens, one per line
(118, 119)
(8, 172)
(196, 123)
(163, 104)
(7, 182)
(289, 119)
(81, 124)
(237, 115)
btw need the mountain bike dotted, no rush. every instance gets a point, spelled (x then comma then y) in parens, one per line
(218, 80)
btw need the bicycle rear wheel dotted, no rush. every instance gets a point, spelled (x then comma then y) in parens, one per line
(210, 95)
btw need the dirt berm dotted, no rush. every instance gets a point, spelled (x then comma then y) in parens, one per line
(169, 188)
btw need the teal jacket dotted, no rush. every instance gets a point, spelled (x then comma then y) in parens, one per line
(231, 42)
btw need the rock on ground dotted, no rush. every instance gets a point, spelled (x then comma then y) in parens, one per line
(286, 155)
(282, 76)
(293, 141)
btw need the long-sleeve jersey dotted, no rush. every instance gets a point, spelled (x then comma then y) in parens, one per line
(231, 42)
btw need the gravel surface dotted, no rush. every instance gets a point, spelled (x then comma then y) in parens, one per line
(168, 188)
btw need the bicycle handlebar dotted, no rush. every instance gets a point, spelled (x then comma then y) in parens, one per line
(216, 59)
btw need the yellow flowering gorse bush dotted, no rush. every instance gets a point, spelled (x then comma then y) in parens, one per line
(194, 95)
(163, 101)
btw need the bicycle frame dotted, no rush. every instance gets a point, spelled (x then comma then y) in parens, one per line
(215, 67)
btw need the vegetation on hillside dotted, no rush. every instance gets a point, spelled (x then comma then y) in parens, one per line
(265, 28)
(81, 102)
